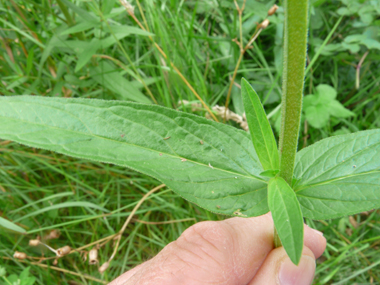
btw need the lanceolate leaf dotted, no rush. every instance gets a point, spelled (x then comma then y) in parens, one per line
(63, 206)
(339, 176)
(210, 164)
(259, 127)
(287, 217)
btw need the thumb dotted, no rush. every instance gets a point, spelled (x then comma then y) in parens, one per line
(278, 269)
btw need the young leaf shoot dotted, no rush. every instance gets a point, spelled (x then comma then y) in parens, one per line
(259, 128)
(287, 217)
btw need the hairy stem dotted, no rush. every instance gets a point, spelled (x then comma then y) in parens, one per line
(295, 41)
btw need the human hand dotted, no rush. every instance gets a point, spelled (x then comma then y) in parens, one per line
(235, 251)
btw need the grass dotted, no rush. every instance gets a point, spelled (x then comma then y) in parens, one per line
(38, 57)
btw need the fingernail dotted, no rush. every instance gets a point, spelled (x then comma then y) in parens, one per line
(303, 274)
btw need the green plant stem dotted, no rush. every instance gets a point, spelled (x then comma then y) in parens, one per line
(295, 40)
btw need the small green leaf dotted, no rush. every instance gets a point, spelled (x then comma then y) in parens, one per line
(319, 107)
(270, 173)
(356, 38)
(25, 278)
(309, 100)
(2, 271)
(210, 164)
(326, 91)
(25, 273)
(11, 226)
(371, 44)
(336, 109)
(287, 217)
(353, 48)
(343, 11)
(317, 116)
(339, 176)
(120, 31)
(259, 128)
(82, 26)
(86, 55)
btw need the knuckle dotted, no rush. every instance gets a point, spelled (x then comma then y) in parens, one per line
(206, 248)
(214, 234)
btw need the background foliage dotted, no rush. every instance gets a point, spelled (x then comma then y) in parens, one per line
(94, 49)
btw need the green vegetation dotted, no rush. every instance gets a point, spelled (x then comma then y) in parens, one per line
(23, 279)
(93, 50)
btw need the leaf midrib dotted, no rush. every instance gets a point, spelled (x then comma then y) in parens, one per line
(305, 186)
(287, 215)
(185, 141)
(261, 129)
(338, 164)
(156, 151)
(335, 200)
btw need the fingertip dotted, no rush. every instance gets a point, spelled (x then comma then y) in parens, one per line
(314, 240)
(279, 269)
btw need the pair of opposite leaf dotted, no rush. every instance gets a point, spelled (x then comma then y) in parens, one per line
(207, 163)
(282, 200)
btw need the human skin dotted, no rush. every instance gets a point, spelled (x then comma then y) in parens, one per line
(236, 251)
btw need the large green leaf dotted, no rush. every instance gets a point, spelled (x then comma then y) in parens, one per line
(208, 163)
(259, 127)
(287, 217)
(339, 176)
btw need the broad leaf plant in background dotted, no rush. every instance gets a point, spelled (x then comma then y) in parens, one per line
(218, 167)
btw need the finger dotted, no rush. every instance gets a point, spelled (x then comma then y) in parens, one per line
(225, 252)
(121, 279)
(314, 240)
(278, 269)
(216, 252)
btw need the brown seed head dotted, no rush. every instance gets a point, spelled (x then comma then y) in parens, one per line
(264, 24)
(34, 242)
(104, 267)
(93, 256)
(53, 235)
(272, 10)
(63, 250)
(19, 255)
(130, 9)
